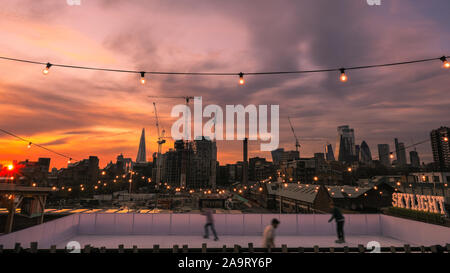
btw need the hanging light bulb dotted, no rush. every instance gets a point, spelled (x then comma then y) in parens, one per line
(446, 64)
(241, 78)
(343, 76)
(142, 77)
(47, 67)
(446, 139)
(29, 145)
(68, 161)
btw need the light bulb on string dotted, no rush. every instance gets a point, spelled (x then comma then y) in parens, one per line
(68, 161)
(445, 64)
(29, 145)
(47, 67)
(241, 78)
(343, 76)
(142, 77)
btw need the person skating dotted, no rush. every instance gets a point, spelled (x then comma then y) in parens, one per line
(269, 234)
(209, 223)
(339, 218)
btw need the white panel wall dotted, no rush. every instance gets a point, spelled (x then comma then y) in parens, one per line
(413, 231)
(45, 234)
(62, 229)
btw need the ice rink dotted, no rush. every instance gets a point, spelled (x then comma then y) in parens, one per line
(111, 241)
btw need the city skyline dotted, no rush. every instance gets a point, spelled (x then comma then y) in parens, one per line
(82, 113)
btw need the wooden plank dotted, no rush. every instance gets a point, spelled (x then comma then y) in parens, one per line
(33, 247)
(175, 249)
(121, 248)
(204, 248)
(316, 249)
(250, 248)
(236, 249)
(361, 249)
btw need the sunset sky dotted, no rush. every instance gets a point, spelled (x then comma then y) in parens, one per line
(82, 113)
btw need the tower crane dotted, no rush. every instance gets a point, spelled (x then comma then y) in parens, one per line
(160, 142)
(187, 99)
(297, 144)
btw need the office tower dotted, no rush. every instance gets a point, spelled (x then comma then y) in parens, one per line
(345, 145)
(365, 154)
(400, 153)
(383, 154)
(357, 152)
(245, 162)
(440, 145)
(141, 155)
(415, 160)
(276, 155)
(329, 153)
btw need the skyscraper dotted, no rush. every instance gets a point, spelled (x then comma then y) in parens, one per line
(345, 145)
(366, 155)
(383, 154)
(357, 153)
(441, 148)
(141, 155)
(329, 153)
(415, 160)
(400, 152)
(245, 161)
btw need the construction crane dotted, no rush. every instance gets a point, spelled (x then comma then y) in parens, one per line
(297, 144)
(160, 142)
(187, 99)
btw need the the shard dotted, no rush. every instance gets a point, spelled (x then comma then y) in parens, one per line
(141, 155)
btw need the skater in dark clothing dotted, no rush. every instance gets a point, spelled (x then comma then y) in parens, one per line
(339, 218)
(209, 223)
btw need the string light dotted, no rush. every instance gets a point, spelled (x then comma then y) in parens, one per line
(70, 160)
(37, 145)
(343, 76)
(241, 78)
(445, 64)
(446, 139)
(47, 67)
(142, 77)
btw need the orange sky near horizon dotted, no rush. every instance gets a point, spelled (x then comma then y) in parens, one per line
(80, 113)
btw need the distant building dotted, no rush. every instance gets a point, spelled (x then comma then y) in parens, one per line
(357, 153)
(414, 158)
(191, 164)
(142, 154)
(280, 156)
(383, 154)
(35, 172)
(365, 154)
(345, 145)
(359, 198)
(329, 153)
(440, 145)
(83, 172)
(294, 198)
(431, 177)
(400, 152)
